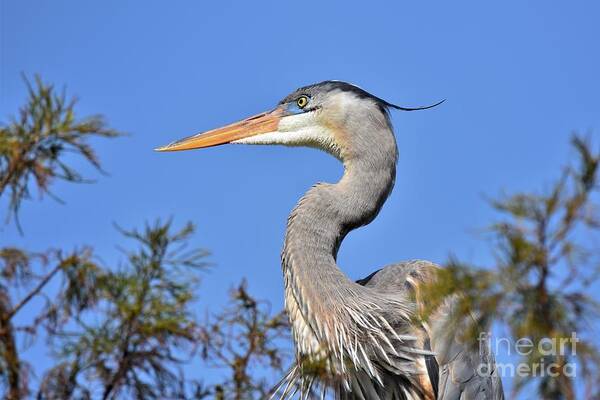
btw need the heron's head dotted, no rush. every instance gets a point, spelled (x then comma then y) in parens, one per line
(334, 116)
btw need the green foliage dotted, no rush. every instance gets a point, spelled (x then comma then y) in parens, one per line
(242, 338)
(541, 285)
(23, 278)
(123, 331)
(34, 146)
(33, 152)
(137, 329)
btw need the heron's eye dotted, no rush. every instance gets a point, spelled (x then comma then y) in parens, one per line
(302, 101)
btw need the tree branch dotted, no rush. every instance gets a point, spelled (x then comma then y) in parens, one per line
(33, 293)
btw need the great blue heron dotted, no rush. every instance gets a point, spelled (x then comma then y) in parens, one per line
(357, 340)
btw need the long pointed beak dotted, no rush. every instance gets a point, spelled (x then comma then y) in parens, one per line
(255, 125)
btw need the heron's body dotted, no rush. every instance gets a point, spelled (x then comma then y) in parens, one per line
(355, 340)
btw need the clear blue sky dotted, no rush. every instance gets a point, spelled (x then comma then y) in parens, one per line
(518, 77)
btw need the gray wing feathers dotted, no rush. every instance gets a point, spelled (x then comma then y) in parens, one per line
(460, 377)
(467, 371)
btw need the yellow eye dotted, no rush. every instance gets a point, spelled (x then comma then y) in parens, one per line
(302, 101)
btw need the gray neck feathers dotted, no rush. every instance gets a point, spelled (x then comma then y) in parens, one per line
(325, 307)
(325, 215)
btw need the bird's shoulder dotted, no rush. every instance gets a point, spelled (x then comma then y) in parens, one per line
(453, 370)
(403, 275)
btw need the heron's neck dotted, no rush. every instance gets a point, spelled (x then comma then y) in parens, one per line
(315, 287)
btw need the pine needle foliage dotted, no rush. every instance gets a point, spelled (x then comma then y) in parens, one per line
(35, 146)
(544, 281)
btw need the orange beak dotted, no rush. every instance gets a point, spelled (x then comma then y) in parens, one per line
(255, 125)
